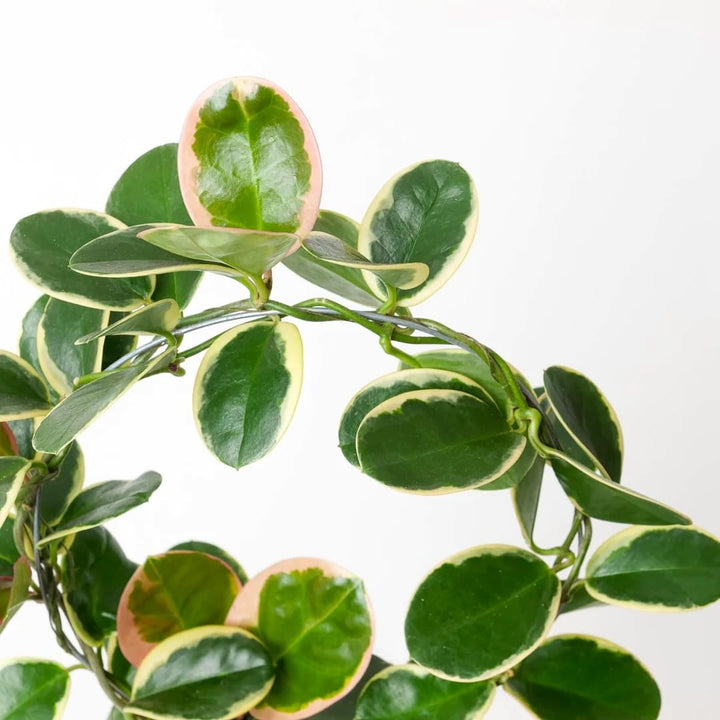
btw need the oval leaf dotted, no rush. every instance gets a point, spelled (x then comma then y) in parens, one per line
(9, 554)
(427, 213)
(123, 254)
(606, 500)
(158, 318)
(216, 552)
(481, 611)
(61, 360)
(14, 591)
(94, 573)
(334, 251)
(170, 593)
(42, 245)
(99, 503)
(348, 282)
(668, 568)
(514, 475)
(248, 159)
(464, 442)
(412, 693)
(574, 676)
(249, 252)
(526, 498)
(61, 488)
(35, 689)
(208, 673)
(28, 336)
(392, 385)
(315, 619)
(246, 390)
(22, 392)
(62, 425)
(587, 416)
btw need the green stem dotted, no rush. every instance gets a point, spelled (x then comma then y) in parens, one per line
(565, 547)
(390, 349)
(583, 548)
(95, 665)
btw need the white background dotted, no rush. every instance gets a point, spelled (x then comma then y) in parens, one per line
(591, 130)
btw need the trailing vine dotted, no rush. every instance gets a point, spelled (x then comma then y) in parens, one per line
(187, 634)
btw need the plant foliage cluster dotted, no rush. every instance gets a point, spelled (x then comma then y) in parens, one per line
(186, 634)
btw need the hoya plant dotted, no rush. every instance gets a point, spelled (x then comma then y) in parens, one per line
(186, 633)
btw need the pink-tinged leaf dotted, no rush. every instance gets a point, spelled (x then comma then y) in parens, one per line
(248, 159)
(8, 444)
(170, 593)
(310, 614)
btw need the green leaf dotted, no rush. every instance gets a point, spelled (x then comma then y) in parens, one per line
(149, 190)
(472, 366)
(99, 503)
(177, 286)
(117, 663)
(436, 441)
(248, 159)
(606, 500)
(667, 568)
(12, 474)
(344, 709)
(412, 693)
(62, 425)
(587, 416)
(14, 591)
(250, 252)
(427, 213)
(526, 497)
(9, 554)
(61, 488)
(214, 551)
(392, 385)
(123, 254)
(208, 673)
(514, 475)
(578, 598)
(481, 611)
(22, 431)
(94, 573)
(28, 336)
(333, 250)
(170, 593)
(348, 282)
(574, 676)
(35, 689)
(158, 318)
(246, 390)
(22, 392)
(62, 361)
(42, 245)
(315, 620)
(117, 346)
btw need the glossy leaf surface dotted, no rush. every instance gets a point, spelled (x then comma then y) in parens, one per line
(526, 498)
(28, 335)
(123, 254)
(94, 573)
(436, 441)
(516, 473)
(606, 500)
(68, 419)
(578, 598)
(248, 159)
(22, 392)
(9, 554)
(412, 693)
(157, 318)
(427, 213)
(247, 251)
(481, 612)
(575, 676)
(61, 488)
(170, 593)
(12, 474)
(99, 503)
(667, 568)
(333, 250)
(348, 282)
(392, 385)
(8, 443)
(43, 245)
(214, 551)
(315, 620)
(33, 690)
(208, 673)
(587, 415)
(61, 360)
(246, 390)
(22, 431)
